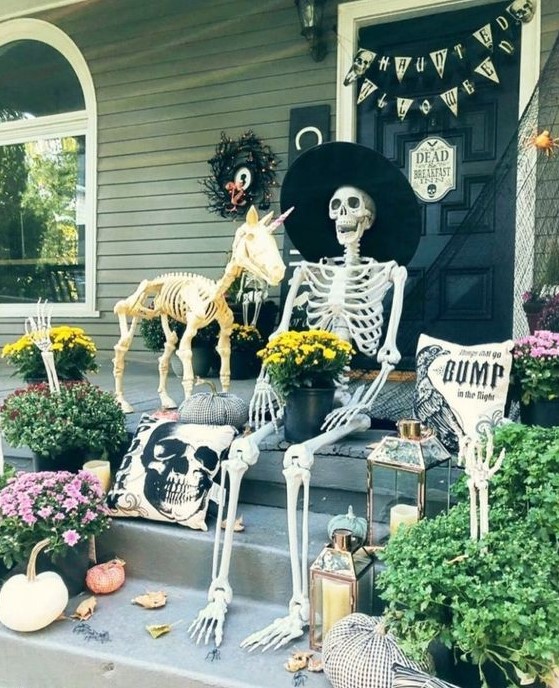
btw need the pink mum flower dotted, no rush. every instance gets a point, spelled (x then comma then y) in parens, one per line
(71, 537)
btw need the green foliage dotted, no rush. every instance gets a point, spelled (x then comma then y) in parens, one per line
(535, 367)
(9, 473)
(80, 418)
(74, 355)
(154, 337)
(245, 339)
(497, 599)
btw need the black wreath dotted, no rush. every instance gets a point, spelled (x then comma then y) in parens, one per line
(243, 173)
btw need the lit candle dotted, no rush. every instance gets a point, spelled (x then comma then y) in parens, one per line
(101, 470)
(402, 513)
(336, 603)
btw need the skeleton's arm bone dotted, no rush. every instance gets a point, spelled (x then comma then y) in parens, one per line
(296, 282)
(389, 353)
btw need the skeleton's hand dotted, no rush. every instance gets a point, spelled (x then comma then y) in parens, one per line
(265, 404)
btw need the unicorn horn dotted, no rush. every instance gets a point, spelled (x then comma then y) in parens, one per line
(279, 220)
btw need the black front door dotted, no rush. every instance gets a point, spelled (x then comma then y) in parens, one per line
(460, 285)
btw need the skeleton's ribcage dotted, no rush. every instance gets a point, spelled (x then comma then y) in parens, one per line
(350, 305)
(186, 296)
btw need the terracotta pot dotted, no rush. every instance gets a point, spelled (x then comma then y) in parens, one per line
(305, 411)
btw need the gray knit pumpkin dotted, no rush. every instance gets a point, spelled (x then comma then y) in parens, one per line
(214, 408)
(359, 653)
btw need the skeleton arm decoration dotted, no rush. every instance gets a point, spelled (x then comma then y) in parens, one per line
(480, 469)
(38, 330)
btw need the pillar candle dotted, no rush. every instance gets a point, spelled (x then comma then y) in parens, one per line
(101, 470)
(402, 513)
(336, 603)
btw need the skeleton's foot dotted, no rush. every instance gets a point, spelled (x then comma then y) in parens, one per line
(280, 632)
(209, 622)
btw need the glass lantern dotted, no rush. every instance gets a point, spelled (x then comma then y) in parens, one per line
(341, 583)
(408, 478)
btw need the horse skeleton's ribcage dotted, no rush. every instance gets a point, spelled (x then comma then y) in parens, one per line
(184, 294)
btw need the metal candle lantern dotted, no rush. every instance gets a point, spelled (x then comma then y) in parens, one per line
(341, 583)
(408, 478)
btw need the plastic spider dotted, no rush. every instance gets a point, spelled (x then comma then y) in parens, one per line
(544, 142)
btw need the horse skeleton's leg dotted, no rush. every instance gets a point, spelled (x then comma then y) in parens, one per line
(184, 352)
(224, 317)
(171, 340)
(120, 349)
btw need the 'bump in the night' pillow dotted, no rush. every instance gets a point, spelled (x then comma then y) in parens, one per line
(461, 390)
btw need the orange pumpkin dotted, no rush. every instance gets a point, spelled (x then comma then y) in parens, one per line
(103, 579)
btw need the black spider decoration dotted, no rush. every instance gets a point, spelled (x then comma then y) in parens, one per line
(299, 679)
(88, 633)
(243, 174)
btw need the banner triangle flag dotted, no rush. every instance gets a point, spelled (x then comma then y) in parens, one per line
(439, 60)
(365, 91)
(485, 36)
(401, 64)
(402, 107)
(450, 98)
(487, 69)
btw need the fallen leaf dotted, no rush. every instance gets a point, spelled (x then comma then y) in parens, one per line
(151, 600)
(238, 527)
(158, 630)
(85, 609)
(315, 664)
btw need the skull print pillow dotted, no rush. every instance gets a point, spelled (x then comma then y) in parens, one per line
(461, 390)
(168, 471)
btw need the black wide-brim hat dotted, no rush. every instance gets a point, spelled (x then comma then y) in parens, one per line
(310, 183)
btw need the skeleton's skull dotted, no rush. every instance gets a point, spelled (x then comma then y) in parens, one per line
(361, 63)
(431, 190)
(354, 211)
(178, 476)
(522, 10)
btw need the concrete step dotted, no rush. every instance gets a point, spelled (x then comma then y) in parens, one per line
(59, 657)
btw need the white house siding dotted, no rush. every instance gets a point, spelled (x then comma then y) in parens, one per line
(170, 76)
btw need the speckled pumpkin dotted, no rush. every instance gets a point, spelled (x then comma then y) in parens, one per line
(103, 579)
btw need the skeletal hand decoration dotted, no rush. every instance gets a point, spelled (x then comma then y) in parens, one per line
(39, 332)
(479, 468)
(265, 405)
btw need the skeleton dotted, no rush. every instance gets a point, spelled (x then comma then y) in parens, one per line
(522, 10)
(251, 291)
(479, 469)
(38, 330)
(361, 63)
(345, 297)
(196, 301)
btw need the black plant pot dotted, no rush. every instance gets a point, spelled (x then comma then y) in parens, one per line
(72, 461)
(305, 411)
(544, 413)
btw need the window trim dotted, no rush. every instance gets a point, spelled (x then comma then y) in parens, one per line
(81, 122)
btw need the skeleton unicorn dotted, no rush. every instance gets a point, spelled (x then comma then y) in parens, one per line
(355, 187)
(196, 301)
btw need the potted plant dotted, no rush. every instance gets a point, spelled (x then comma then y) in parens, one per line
(493, 602)
(535, 377)
(74, 355)
(64, 508)
(258, 310)
(204, 355)
(304, 368)
(64, 429)
(246, 341)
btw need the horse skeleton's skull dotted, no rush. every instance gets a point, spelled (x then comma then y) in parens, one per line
(361, 63)
(354, 211)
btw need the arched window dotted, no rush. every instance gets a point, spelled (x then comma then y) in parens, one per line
(47, 172)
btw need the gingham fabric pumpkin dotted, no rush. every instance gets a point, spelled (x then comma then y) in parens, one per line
(403, 677)
(214, 408)
(359, 653)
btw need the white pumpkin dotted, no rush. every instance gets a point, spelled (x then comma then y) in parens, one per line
(31, 601)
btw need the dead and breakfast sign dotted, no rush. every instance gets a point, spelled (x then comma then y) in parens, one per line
(432, 169)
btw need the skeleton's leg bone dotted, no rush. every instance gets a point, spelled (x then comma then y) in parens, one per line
(120, 348)
(298, 461)
(168, 350)
(184, 352)
(242, 454)
(225, 320)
